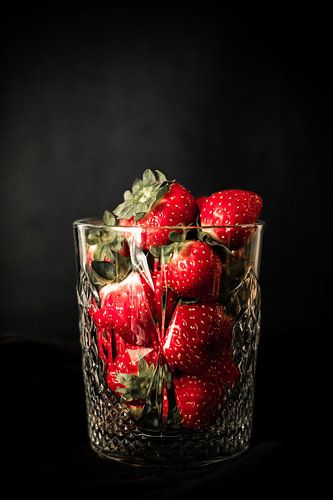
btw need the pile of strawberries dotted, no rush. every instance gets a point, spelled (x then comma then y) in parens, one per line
(159, 266)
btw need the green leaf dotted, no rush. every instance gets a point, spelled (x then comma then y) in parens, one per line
(96, 279)
(109, 237)
(155, 251)
(137, 387)
(137, 185)
(139, 216)
(108, 218)
(123, 266)
(141, 207)
(92, 238)
(148, 386)
(110, 265)
(128, 195)
(160, 176)
(119, 209)
(166, 251)
(106, 270)
(206, 238)
(148, 178)
(176, 236)
(103, 252)
(143, 367)
(118, 243)
(144, 194)
(189, 301)
(162, 191)
(124, 210)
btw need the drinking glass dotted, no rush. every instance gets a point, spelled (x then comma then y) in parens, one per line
(169, 378)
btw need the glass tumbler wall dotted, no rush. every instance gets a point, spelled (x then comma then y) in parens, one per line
(169, 338)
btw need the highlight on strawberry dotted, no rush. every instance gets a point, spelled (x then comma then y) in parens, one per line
(165, 266)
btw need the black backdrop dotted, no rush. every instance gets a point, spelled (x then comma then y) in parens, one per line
(90, 97)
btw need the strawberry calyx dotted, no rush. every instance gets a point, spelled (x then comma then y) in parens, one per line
(164, 253)
(110, 271)
(106, 236)
(145, 192)
(109, 259)
(179, 236)
(206, 238)
(160, 405)
(149, 395)
(137, 387)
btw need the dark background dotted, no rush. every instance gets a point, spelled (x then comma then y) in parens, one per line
(229, 98)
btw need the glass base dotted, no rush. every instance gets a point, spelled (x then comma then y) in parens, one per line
(170, 463)
(114, 433)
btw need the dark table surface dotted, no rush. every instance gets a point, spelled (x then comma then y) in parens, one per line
(45, 442)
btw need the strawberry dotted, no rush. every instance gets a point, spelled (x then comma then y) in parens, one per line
(104, 342)
(200, 201)
(224, 369)
(155, 202)
(128, 308)
(222, 365)
(195, 270)
(199, 400)
(109, 344)
(165, 298)
(231, 207)
(196, 337)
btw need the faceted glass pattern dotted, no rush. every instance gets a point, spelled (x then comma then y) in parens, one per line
(149, 428)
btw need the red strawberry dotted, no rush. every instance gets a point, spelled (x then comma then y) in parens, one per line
(200, 201)
(165, 299)
(224, 369)
(124, 250)
(128, 308)
(197, 335)
(229, 371)
(109, 343)
(195, 270)
(231, 207)
(222, 365)
(155, 202)
(199, 400)
(104, 344)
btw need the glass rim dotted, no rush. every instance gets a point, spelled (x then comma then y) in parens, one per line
(94, 222)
